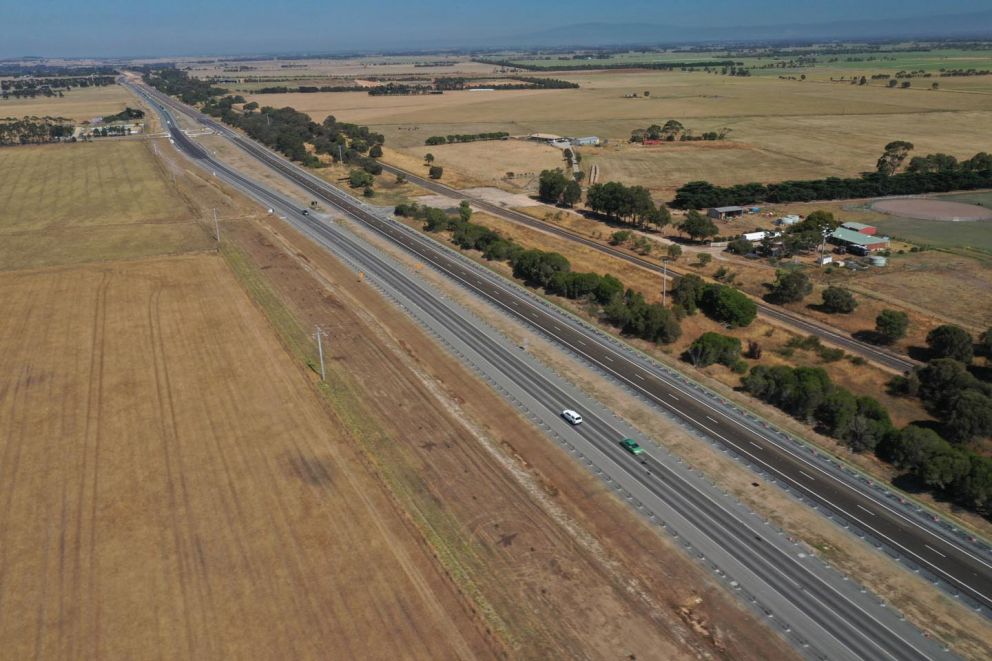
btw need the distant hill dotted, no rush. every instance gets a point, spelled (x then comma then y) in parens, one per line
(975, 24)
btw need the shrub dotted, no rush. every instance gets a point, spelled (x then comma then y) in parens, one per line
(837, 300)
(728, 305)
(711, 348)
(891, 325)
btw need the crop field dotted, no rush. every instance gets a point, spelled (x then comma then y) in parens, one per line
(77, 202)
(79, 104)
(354, 68)
(779, 129)
(170, 482)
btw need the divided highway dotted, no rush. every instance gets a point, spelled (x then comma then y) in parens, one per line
(875, 354)
(950, 558)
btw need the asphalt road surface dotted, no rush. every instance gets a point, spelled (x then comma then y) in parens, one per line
(951, 558)
(839, 338)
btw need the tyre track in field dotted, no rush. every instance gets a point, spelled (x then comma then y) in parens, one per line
(91, 425)
(175, 492)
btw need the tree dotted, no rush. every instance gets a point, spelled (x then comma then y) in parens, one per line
(949, 341)
(464, 211)
(435, 172)
(428, 158)
(674, 251)
(985, 343)
(941, 381)
(818, 221)
(891, 325)
(893, 156)
(711, 348)
(704, 259)
(536, 267)
(688, 292)
(970, 416)
(360, 179)
(551, 185)
(571, 194)
(740, 247)
(838, 300)
(728, 305)
(790, 287)
(620, 237)
(375, 151)
(368, 192)
(698, 226)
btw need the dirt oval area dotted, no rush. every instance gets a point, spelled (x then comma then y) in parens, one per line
(927, 209)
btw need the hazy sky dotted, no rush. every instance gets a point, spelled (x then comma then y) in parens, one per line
(119, 27)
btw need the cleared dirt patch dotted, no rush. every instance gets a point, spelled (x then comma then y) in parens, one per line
(928, 209)
(170, 482)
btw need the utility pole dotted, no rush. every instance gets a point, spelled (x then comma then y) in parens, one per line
(664, 283)
(340, 155)
(216, 226)
(320, 352)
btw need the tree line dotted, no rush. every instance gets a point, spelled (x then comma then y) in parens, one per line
(286, 130)
(523, 83)
(626, 204)
(935, 174)
(585, 66)
(35, 130)
(465, 137)
(174, 82)
(309, 89)
(615, 304)
(125, 115)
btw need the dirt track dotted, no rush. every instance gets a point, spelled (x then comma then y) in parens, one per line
(170, 486)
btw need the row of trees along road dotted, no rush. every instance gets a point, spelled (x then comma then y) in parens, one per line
(934, 173)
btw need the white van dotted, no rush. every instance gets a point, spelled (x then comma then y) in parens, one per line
(572, 417)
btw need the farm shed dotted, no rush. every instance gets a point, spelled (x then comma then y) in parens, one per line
(858, 242)
(723, 213)
(860, 227)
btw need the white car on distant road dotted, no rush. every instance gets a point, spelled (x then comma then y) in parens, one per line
(572, 417)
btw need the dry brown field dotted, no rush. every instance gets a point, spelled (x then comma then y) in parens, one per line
(79, 202)
(779, 129)
(385, 65)
(80, 104)
(172, 487)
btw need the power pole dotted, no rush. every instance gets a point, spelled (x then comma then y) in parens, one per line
(340, 155)
(320, 352)
(216, 226)
(664, 283)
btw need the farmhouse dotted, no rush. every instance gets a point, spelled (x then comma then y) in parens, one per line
(723, 213)
(860, 227)
(858, 242)
(545, 137)
(787, 221)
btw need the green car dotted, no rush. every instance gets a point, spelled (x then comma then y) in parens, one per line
(631, 446)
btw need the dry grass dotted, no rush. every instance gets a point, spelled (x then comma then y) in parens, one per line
(80, 104)
(487, 163)
(162, 492)
(779, 129)
(70, 203)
